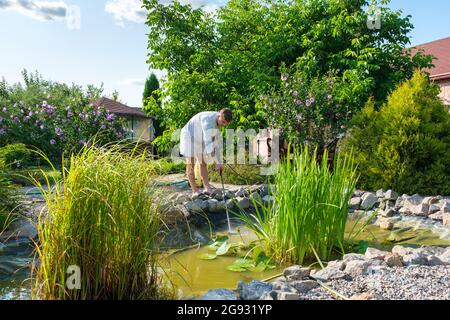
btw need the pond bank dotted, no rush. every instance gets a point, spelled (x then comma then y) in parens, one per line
(402, 274)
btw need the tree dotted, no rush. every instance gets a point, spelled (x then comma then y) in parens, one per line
(230, 58)
(151, 92)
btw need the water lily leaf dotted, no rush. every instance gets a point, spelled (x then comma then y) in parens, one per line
(207, 256)
(221, 238)
(244, 263)
(260, 267)
(223, 249)
(236, 268)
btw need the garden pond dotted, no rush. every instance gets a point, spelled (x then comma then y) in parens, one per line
(200, 267)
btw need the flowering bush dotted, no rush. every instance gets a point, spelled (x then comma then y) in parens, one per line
(307, 108)
(57, 130)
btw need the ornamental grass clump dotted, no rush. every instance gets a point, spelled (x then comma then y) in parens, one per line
(101, 218)
(306, 219)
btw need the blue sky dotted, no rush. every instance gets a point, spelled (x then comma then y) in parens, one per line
(109, 44)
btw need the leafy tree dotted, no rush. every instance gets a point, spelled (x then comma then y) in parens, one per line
(231, 57)
(405, 145)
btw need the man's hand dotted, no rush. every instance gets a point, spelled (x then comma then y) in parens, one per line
(219, 168)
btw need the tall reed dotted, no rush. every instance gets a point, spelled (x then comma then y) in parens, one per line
(307, 216)
(101, 218)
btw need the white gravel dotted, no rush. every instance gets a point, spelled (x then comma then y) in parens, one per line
(407, 283)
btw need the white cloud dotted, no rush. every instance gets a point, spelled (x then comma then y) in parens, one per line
(132, 11)
(45, 11)
(132, 82)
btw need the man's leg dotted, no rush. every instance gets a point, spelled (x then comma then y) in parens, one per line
(204, 174)
(190, 163)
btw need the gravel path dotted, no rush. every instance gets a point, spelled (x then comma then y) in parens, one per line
(407, 283)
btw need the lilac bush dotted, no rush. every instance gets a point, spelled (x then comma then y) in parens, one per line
(57, 130)
(307, 109)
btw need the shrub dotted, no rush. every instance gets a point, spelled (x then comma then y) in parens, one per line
(17, 156)
(405, 146)
(308, 215)
(8, 198)
(103, 219)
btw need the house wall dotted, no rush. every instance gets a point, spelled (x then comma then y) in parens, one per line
(142, 130)
(445, 90)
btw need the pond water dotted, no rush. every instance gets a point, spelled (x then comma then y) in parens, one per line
(193, 276)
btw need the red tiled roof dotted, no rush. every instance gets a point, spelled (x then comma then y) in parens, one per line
(440, 49)
(120, 108)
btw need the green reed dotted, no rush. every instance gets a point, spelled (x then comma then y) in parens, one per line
(307, 217)
(101, 217)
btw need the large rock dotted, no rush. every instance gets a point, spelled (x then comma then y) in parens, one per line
(303, 286)
(354, 203)
(390, 195)
(416, 210)
(243, 203)
(380, 193)
(446, 218)
(445, 256)
(353, 256)
(438, 216)
(337, 264)
(415, 259)
(402, 251)
(241, 192)
(434, 261)
(357, 268)
(282, 285)
(433, 209)
(368, 200)
(386, 225)
(372, 253)
(220, 294)
(213, 205)
(367, 296)
(197, 205)
(283, 295)
(329, 274)
(388, 212)
(394, 260)
(296, 273)
(253, 290)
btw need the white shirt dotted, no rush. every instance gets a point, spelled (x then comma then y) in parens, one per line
(201, 135)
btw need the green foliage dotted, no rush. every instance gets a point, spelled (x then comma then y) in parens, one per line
(17, 156)
(8, 198)
(102, 217)
(307, 218)
(406, 145)
(28, 176)
(233, 56)
(237, 174)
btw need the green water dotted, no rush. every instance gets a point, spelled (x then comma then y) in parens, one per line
(193, 276)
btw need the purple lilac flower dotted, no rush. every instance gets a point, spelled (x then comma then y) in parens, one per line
(110, 117)
(297, 102)
(295, 93)
(53, 142)
(103, 127)
(4, 109)
(27, 118)
(312, 100)
(22, 111)
(69, 114)
(82, 142)
(16, 119)
(308, 103)
(59, 132)
(44, 103)
(30, 113)
(2, 131)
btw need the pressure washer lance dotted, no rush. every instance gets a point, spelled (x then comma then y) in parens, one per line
(226, 207)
